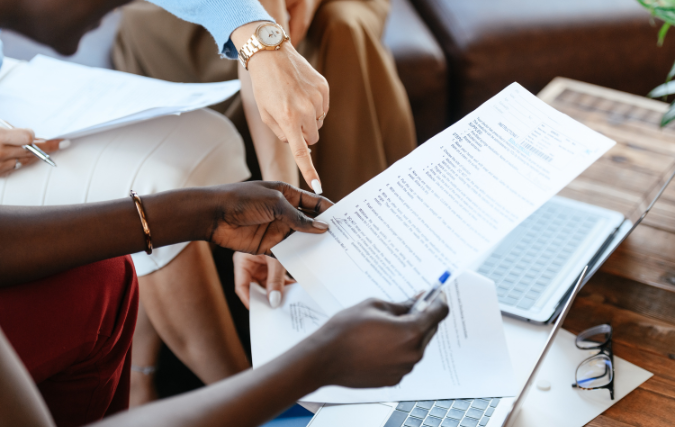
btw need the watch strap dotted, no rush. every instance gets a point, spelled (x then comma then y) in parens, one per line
(253, 46)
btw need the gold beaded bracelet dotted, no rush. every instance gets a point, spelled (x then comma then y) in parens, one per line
(144, 222)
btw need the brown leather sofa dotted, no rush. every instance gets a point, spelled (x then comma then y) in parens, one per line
(421, 66)
(492, 43)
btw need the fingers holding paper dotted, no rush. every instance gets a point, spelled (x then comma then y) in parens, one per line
(263, 270)
(258, 215)
(376, 343)
(13, 156)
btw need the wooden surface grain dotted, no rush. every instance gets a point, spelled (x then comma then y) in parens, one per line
(635, 289)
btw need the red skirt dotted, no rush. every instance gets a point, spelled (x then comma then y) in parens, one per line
(73, 331)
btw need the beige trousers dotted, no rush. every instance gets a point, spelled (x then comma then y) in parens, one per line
(370, 123)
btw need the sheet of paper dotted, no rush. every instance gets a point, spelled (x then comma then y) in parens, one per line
(468, 356)
(443, 205)
(562, 406)
(61, 99)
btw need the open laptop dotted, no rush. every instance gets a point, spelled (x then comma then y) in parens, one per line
(487, 411)
(441, 413)
(535, 266)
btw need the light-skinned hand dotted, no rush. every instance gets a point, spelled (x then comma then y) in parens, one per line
(292, 97)
(263, 270)
(11, 151)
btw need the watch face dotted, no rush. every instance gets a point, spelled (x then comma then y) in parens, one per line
(270, 35)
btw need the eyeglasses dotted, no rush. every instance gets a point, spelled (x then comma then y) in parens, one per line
(596, 372)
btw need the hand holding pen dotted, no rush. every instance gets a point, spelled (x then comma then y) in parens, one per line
(19, 148)
(427, 298)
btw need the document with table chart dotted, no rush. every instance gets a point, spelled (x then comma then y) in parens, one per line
(468, 356)
(444, 205)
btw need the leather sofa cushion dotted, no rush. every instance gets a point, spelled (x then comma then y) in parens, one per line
(492, 43)
(421, 66)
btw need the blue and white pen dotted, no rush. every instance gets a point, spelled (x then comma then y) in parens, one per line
(430, 295)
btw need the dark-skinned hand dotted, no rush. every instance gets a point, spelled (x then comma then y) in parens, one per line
(258, 215)
(376, 343)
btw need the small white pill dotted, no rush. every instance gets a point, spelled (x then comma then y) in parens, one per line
(543, 385)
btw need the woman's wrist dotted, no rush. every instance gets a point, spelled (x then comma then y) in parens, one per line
(241, 35)
(320, 351)
(312, 355)
(182, 215)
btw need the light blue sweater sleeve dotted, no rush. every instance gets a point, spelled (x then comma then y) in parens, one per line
(219, 17)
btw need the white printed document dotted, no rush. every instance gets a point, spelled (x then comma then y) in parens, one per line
(468, 356)
(444, 205)
(59, 99)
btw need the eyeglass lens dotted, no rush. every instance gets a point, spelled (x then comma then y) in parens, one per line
(595, 372)
(594, 337)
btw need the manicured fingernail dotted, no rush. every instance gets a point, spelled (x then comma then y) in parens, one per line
(64, 144)
(275, 298)
(320, 225)
(316, 186)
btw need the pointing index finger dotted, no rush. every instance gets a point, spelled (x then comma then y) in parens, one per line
(304, 160)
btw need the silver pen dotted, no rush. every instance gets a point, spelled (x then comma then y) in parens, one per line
(430, 295)
(31, 148)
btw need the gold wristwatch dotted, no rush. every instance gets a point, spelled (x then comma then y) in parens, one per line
(268, 36)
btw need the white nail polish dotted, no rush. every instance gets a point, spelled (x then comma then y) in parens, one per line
(275, 299)
(316, 186)
(64, 144)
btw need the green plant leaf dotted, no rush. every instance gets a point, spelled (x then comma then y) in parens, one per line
(662, 33)
(661, 9)
(671, 74)
(663, 90)
(666, 15)
(669, 116)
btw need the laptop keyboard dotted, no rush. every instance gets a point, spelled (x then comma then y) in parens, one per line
(525, 263)
(443, 413)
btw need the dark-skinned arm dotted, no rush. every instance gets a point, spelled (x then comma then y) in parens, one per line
(252, 217)
(372, 344)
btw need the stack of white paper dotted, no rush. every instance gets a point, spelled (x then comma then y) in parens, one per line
(60, 99)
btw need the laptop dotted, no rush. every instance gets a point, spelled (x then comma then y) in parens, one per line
(441, 413)
(486, 411)
(536, 265)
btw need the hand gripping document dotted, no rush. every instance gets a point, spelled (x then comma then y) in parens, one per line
(444, 205)
(468, 356)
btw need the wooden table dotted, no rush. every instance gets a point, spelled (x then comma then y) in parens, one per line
(635, 289)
